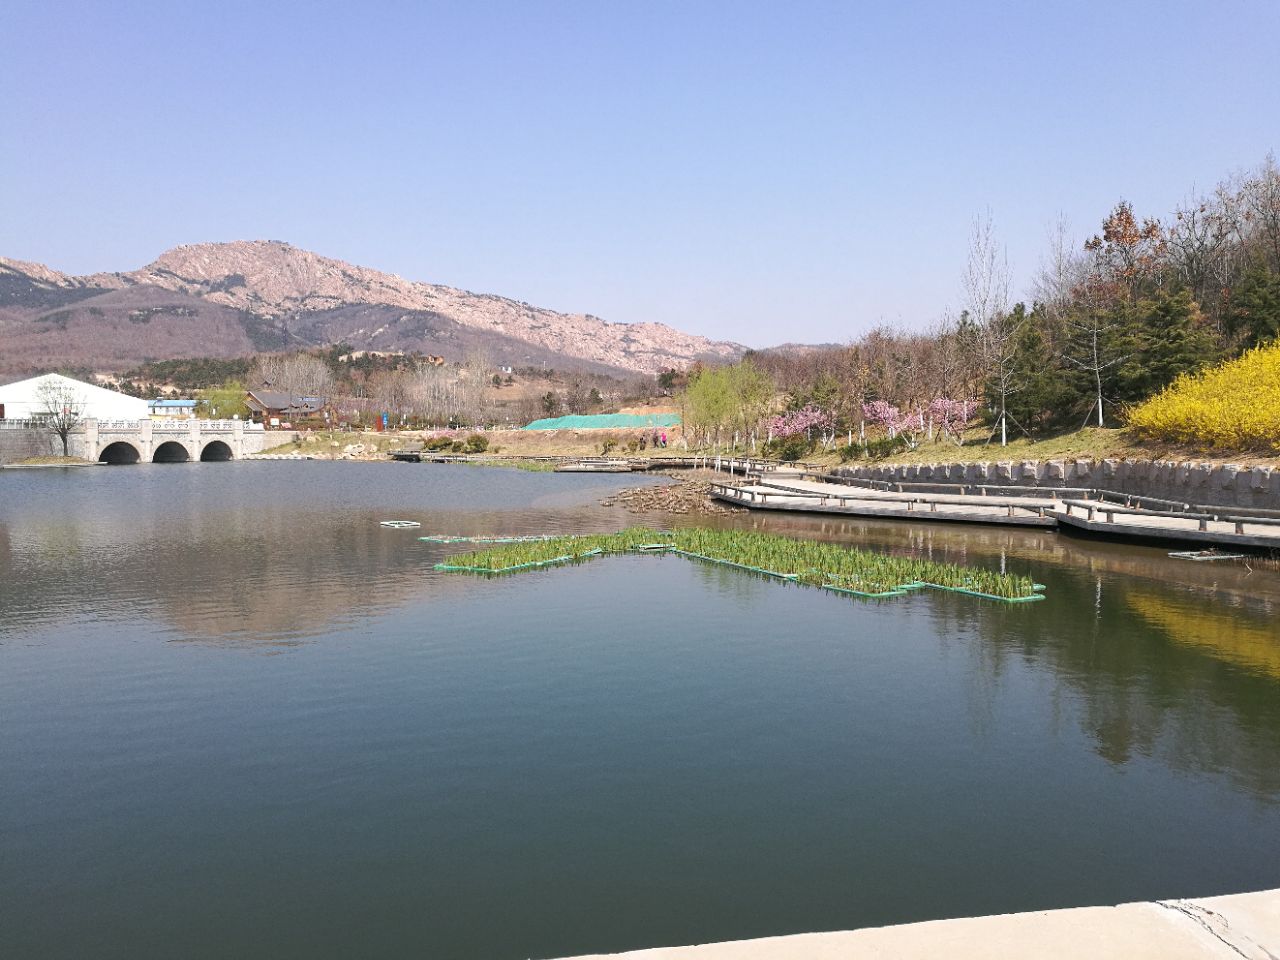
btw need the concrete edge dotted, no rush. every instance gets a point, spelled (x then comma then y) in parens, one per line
(1217, 928)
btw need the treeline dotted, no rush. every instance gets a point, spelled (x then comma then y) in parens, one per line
(411, 389)
(1109, 322)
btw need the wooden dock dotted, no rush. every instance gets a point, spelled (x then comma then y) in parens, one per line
(1097, 512)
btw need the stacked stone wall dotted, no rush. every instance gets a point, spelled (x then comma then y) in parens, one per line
(1195, 483)
(18, 445)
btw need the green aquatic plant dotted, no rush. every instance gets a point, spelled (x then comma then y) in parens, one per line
(826, 565)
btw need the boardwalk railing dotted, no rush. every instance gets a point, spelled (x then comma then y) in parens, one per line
(1132, 500)
(1093, 508)
(913, 503)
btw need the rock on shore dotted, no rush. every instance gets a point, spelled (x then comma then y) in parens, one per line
(691, 494)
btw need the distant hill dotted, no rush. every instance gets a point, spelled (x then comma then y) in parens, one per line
(233, 299)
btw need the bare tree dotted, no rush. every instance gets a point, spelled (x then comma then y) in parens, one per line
(297, 374)
(1061, 271)
(62, 409)
(1093, 335)
(986, 289)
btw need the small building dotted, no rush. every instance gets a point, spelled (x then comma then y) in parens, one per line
(28, 399)
(274, 407)
(161, 409)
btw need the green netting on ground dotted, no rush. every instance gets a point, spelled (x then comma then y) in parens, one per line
(606, 421)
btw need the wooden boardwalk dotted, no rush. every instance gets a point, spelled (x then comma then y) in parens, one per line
(1093, 512)
(818, 497)
(1224, 528)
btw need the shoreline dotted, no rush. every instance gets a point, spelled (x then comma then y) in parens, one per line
(1231, 927)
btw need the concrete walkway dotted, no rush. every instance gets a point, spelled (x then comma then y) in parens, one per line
(1216, 928)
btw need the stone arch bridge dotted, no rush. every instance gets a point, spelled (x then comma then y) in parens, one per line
(160, 441)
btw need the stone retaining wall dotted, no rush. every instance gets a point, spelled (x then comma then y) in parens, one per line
(18, 445)
(1200, 483)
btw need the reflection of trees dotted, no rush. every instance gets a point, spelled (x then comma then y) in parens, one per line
(1233, 639)
(1029, 549)
(262, 574)
(1189, 676)
(1166, 659)
(1195, 706)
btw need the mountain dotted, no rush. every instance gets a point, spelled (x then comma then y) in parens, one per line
(233, 299)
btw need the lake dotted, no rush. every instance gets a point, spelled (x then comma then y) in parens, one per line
(240, 718)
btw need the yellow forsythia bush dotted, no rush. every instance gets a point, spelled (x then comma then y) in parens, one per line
(1233, 406)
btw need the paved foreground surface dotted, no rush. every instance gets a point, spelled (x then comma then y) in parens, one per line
(1216, 928)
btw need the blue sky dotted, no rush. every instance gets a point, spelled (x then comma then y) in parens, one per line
(763, 172)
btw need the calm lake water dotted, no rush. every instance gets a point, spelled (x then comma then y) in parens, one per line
(240, 719)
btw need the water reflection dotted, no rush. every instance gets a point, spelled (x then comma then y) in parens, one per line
(624, 753)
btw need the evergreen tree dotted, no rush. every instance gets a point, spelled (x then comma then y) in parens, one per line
(1254, 314)
(1043, 395)
(1165, 336)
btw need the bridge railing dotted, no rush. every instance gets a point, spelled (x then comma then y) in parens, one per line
(176, 426)
(205, 425)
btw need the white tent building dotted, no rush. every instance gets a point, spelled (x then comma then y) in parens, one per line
(31, 398)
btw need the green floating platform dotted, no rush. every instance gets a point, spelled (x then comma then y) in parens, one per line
(830, 567)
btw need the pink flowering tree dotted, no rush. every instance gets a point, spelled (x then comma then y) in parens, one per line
(882, 414)
(895, 422)
(810, 420)
(952, 416)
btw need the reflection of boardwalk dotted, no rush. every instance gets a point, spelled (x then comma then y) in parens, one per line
(1090, 511)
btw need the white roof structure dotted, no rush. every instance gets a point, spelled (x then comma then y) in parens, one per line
(31, 398)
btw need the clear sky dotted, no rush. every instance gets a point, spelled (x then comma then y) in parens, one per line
(763, 172)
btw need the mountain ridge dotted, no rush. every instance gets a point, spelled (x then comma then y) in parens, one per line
(288, 297)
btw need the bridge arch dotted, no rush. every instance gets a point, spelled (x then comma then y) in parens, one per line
(171, 451)
(215, 451)
(119, 452)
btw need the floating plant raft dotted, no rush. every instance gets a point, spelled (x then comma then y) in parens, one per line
(401, 524)
(858, 573)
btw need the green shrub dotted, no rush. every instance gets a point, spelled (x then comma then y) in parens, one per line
(887, 447)
(789, 449)
(436, 444)
(477, 443)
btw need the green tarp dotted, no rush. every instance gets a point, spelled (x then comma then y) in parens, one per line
(606, 421)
